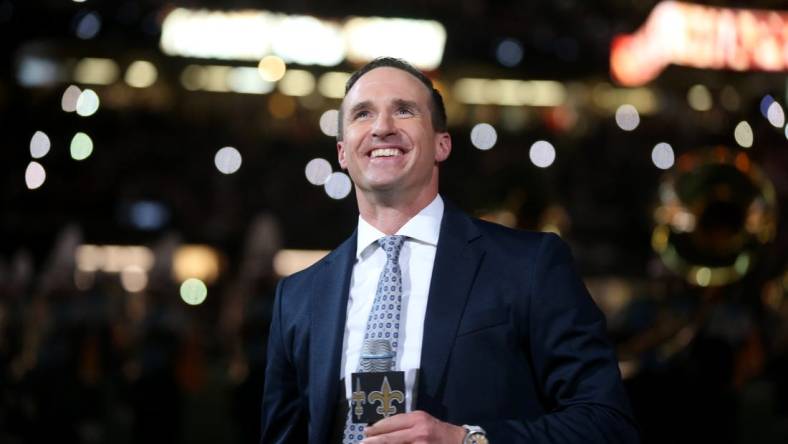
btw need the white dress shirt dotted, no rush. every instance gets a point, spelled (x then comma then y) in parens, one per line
(416, 260)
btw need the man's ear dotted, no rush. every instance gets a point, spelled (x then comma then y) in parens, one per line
(341, 155)
(443, 147)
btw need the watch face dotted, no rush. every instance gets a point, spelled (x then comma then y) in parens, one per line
(478, 438)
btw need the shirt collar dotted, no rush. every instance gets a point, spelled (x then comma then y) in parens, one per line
(424, 227)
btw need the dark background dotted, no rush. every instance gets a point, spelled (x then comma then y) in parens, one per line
(99, 364)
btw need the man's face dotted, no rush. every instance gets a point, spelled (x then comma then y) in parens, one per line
(389, 144)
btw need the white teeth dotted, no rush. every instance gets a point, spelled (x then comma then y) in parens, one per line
(385, 152)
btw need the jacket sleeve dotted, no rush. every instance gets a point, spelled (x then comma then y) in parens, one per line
(575, 366)
(283, 415)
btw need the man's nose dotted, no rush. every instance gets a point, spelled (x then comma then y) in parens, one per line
(384, 126)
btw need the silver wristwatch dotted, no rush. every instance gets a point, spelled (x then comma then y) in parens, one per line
(474, 435)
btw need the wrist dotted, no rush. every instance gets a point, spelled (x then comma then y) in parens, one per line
(459, 434)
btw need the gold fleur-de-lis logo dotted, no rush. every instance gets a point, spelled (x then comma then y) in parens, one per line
(358, 398)
(385, 396)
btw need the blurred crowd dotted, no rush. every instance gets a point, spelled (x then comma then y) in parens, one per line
(100, 364)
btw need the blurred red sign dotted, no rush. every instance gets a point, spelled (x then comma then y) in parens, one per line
(701, 37)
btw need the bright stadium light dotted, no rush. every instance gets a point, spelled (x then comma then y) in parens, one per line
(420, 42)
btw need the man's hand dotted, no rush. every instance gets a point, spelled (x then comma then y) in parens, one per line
(413, 428)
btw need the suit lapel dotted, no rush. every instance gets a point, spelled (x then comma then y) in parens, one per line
(328, 312)
(453, 274)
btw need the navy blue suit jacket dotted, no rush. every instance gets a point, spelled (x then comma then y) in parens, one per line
(512, 342)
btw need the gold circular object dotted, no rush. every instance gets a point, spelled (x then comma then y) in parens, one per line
(715, 212)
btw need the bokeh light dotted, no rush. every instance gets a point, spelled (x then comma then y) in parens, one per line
(542, 153)
(246, 80)
(141, 74)
(483, 136)
(70, 96)
(297, 82)
(627, 117)
(287, 262)
(699, 98)
(113, 258)
(743, 134)
(766, 102)
(96, 71)
(193, 291)
(703, 276)
(662, 155)
(148, 215)
(776, 115)
(215, 78)
(193, 77)
(332, 84)
(39, 145)
(81, 146)
(35, 175)
(509, 52)
(133, 278)
(271, 68)
(87, 103)
(35, 71)
(307, 40)
(329, 124)
(227, 160)
(420, 42)
(88, 25)
(742, 263)
(318, 171)
(338, 185)
(196, 261)
(509, 92)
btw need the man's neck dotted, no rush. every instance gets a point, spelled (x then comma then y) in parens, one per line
(389, 217)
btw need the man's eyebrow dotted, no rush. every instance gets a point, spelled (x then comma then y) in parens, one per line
(358, 107)
(367, 104)
(402, 103)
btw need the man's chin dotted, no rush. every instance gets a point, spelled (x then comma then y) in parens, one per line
(383, 183)
(382, 189)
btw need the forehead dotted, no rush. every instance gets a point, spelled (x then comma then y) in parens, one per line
(387, 83)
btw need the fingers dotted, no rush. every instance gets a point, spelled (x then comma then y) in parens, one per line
(394, 423)
(396, 437)
(414, 427)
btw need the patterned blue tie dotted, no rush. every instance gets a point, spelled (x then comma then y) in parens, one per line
(382, 334)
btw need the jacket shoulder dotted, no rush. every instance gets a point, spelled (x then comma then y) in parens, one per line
(525, 243)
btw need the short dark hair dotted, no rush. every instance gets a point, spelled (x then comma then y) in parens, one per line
(437, 109)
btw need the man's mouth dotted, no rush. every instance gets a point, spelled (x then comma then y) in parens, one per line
(385, 152)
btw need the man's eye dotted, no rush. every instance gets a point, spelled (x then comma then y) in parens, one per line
(405, 111)
(361, 115)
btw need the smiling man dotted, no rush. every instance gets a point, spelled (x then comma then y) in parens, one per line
(492, 330)
(390, 147)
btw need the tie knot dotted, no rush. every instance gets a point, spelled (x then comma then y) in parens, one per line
(392, 246)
